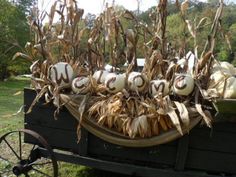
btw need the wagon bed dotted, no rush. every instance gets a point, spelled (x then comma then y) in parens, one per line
(203, 152)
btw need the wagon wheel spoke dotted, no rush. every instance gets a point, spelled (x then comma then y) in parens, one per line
(40, 172)
(32, 149)
(11, 148)
(20, 145)
(6, 160)
(40, 164)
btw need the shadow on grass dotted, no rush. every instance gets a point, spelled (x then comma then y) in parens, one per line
(89, 172)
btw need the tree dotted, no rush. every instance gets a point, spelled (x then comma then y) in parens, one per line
(24, 5)
(14, 32)
(213, 2)
(232, 36)
(89, 20)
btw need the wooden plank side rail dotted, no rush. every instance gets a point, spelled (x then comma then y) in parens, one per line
(83, 144)
(182, 153)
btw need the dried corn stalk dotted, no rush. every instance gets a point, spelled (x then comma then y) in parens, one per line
(88, 49)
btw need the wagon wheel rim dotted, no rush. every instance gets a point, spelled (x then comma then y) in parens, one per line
(21, 159)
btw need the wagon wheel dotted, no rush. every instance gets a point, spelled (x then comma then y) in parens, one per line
(22, 159)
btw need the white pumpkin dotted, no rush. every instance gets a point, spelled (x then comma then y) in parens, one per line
(230, 91)
(115, 82)
(80, 85)
(222, 84)
(183, 84)
(228, 67)
(217, 77)
(224, 67)
(216, 83)
(159, 87)
(137, 81)
(61, 73)
(100, 76)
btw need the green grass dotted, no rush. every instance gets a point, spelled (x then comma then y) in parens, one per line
(11, 100)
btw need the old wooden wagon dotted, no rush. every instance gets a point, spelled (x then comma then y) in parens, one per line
(203, 152)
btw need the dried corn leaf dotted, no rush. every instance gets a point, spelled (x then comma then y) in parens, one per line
(110, 121)
(163, 123)
(168, 123)
(22, 55)
(52, 13)
(184, 6)
(175, 119)
(171, 70)
(102, 120)
(17, 93)
(128, 15)
(114, 107)
(183, 113)
(201, 22)
(203, 61)
(139, 126)
(47, 97)
(78, 15)
(38, 96)
(155, 127)
(228, 41)
(82, 107)
(206, 117)
(144, 128)
(96, 107)
(21, 110)
(191, 28)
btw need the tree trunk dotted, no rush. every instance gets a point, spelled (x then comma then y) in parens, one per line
(3, 72)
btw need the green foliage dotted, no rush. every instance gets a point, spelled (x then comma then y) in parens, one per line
(232, 36)
(223, 54)
(25, 5)
(213, 2)
(144, 16)
(176, 30)
(14, 32)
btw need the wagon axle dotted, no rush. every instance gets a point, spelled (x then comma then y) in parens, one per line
(23, 167)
